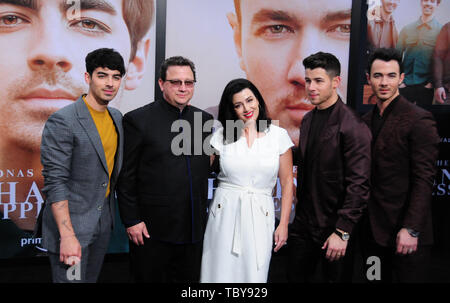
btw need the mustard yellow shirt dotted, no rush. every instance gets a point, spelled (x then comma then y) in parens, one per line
(108, 134)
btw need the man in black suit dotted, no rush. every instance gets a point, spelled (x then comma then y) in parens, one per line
(333, 177)
(163, 186)
(404, 153)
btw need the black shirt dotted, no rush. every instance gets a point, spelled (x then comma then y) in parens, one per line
(318, 122)
(378, 120)
(319, 119)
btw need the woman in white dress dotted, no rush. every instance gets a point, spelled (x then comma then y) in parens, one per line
(240, 230)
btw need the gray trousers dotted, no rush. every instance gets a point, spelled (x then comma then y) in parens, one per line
(92, 255)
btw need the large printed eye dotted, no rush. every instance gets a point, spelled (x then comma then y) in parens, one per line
(88, 24)
(11, 20)
(91, 26)
(340, 31)
(274, 31)
(277, 30)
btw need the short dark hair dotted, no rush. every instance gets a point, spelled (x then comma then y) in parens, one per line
(175, 61)
(385, 54)
(228, 113)
(327, 61)
(105, 58)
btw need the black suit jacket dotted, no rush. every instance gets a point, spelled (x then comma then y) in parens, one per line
(155, 184)
(339, 189)
(404, 157)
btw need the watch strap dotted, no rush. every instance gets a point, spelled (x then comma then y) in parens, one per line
(413, 233)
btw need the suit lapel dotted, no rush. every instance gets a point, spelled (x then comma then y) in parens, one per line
(389, 126)
(304, 131)
(118, 159)
(86, 121)
(367, 118)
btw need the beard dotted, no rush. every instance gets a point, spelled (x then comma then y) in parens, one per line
(385, 97)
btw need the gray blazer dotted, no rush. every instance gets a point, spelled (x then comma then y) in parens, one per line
(75, 169)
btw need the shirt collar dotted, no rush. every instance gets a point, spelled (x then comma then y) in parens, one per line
(429, 25)
(328, 109)
(388, 109)
(91, 109)
(173, 108)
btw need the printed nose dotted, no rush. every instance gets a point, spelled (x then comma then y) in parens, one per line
(302, 49)
(49, 51)
(49, 61)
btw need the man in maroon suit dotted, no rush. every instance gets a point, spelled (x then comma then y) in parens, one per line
(404, 153)
(333, 178)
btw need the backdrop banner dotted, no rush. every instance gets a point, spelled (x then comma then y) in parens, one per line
(42, 66)
(42, 70)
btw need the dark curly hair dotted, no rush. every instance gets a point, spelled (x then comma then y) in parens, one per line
(228, 113)
(106, 58)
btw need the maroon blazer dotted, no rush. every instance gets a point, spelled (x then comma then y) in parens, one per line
(341, 168)
(403, 169)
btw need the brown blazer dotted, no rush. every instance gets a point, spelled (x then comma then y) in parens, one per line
(340, 169)
(403, 168)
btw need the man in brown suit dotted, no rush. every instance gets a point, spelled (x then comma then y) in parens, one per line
(404, 153)
(333, 178)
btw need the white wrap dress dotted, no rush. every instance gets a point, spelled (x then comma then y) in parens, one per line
(239, 234)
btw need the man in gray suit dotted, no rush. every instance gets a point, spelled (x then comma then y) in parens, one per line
(81, 152)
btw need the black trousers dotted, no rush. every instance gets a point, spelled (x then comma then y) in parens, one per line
(307, 261)
(396, 268)
(418, 94)
(158, 261)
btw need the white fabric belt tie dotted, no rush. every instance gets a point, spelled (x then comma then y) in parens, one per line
(257, 219)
